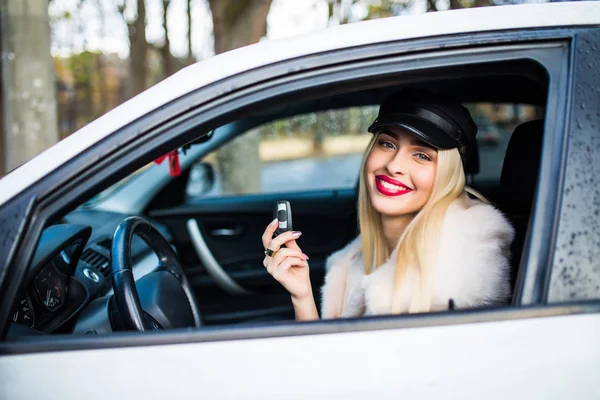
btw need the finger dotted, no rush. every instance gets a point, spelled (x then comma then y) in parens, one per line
(271, 263)
(279, 256)
(271, 266)
(287, 264)
(291, 244)
(268, 234)
(285, 252)
(276, 243)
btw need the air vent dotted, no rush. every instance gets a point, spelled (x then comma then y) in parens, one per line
(98, 261)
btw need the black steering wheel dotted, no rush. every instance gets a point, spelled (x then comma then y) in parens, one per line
(167, 297)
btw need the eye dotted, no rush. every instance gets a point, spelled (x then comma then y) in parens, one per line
(386, 144)
(422, 156)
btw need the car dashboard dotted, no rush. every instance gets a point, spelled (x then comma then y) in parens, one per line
(70, 269)
(44, 298)
(52, 294)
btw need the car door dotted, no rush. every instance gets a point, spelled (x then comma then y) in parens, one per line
(538, 348)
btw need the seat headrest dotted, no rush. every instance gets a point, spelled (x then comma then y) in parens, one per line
(472, 164)
(521, 166)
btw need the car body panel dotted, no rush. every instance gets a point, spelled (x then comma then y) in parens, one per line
(270, 52)
(558, 358)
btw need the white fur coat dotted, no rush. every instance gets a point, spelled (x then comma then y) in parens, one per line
(472, 269)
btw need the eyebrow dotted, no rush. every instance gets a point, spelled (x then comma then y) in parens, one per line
(417, 142)
(413, 141)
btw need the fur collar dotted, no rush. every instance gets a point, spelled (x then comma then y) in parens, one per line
(473, 268)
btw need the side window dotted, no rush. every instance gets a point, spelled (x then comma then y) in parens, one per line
(306, 152)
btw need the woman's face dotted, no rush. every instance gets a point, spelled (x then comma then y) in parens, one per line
(400, 171)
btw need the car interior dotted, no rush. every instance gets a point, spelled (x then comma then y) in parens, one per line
(198, 261)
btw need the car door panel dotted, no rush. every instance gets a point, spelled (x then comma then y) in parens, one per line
(535, 358)
(231, 229)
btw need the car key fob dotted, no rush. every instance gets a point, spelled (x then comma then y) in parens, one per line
(283, 212)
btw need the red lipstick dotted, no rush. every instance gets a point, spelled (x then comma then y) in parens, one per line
(384, 186)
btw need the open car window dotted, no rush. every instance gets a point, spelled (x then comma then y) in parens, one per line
(289, 155)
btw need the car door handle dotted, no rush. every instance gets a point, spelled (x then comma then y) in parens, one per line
(211, 265)
(227, 231)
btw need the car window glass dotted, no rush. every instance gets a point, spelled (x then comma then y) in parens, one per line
(323, 151)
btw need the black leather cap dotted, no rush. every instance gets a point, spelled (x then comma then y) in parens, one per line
(435, 119)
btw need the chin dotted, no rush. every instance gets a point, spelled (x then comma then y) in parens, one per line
(390, 206)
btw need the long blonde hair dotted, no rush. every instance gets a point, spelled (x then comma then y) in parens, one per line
(418, 243)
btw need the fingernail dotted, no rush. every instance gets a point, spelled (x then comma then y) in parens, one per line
(305, 256)
(296, 234)
(273, 222)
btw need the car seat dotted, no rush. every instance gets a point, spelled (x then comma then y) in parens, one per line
(518, 184)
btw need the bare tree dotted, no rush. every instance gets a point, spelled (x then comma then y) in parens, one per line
(29, 117)
(190, 55)
(165, 50)
(238, 23)
(235, 24)
(138, 46)
(455, 4)
(482, 3)
(431, 5)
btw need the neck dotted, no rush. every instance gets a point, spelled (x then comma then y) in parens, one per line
(393, 227)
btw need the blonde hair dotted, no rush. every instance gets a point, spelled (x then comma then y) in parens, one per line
(418, 243)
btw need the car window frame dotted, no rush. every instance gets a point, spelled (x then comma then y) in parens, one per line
(151, 143)
(583, 127)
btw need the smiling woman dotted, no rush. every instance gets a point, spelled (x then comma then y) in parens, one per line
(416, 220)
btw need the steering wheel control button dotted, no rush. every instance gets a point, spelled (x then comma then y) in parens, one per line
(91, 275)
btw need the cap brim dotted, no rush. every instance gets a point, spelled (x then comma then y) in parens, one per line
(424, 130)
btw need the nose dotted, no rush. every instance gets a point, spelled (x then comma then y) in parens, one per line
(397, 163)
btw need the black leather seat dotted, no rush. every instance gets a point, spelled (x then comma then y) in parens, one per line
(518, 183)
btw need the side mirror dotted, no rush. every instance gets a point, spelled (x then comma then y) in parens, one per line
(202, 179)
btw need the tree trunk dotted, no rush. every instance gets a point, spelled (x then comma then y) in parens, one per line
(165, 51)
(29, 112)
(455, 4)
(190, 55)
(431, 6)
(138, 55)
(236, 24)
(482, 3)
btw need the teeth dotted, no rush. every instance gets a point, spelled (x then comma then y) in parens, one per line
(391, 186)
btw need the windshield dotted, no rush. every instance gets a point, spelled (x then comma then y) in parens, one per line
(115, 187)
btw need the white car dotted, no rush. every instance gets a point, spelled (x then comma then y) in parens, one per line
(90, 311)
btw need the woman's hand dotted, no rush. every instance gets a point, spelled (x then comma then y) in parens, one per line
(288, 265)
